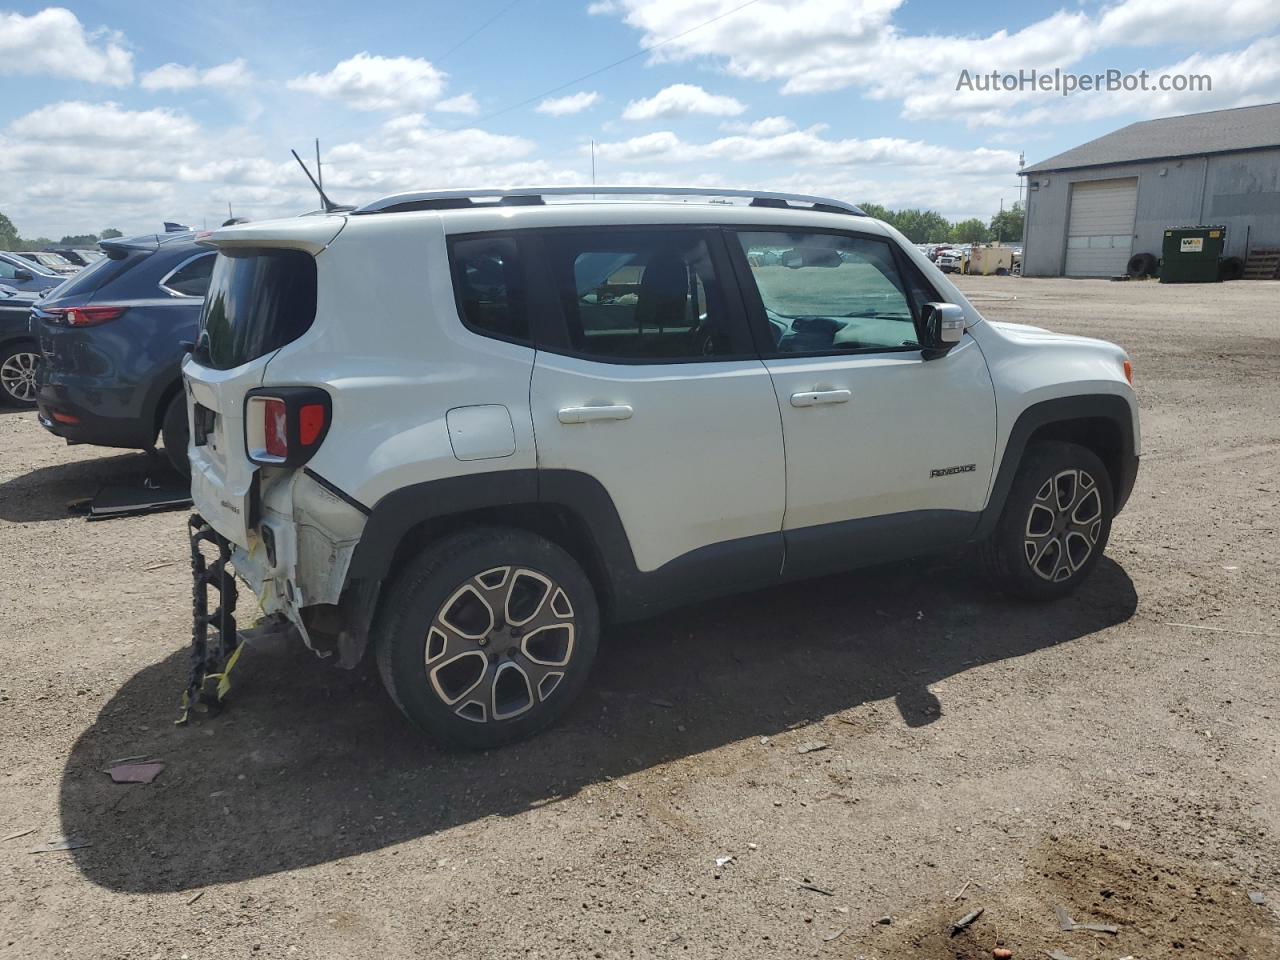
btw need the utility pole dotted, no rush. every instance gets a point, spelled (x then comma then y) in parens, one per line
(1022, 162)
(593, 162)
(1000, 223)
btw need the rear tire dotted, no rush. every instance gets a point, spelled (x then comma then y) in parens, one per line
(176, 434)
(18, 363)
(487, 637)
(1055, 524)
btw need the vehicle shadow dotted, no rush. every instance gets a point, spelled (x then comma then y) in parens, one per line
(44, 493)
(311, 764)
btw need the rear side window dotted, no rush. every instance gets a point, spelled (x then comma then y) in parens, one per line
(191, 279)
(259, 299)
(488, 283)
(641, 296)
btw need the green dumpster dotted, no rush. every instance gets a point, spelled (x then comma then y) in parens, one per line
(1191, 254)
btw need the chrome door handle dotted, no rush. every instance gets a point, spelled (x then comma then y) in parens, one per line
(811, 398)
(616, 411)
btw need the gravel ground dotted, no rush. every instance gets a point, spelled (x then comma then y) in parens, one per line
(1114, 754)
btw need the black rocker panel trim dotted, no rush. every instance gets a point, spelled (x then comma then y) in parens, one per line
(1096, 406)
(848, 544)
(718, 569)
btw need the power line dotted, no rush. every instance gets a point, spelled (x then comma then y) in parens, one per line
(472, 35)
(617, 63)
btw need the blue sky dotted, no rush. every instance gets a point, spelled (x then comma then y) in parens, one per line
(125, 115)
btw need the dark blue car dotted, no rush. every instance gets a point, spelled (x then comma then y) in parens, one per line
(111, 344)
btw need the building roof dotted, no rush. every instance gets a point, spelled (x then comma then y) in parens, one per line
(1193, 135)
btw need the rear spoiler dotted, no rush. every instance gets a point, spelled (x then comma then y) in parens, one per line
(118, 248)
(311, 234)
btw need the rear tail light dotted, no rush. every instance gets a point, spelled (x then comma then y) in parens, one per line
(284, 426)
(83, 316)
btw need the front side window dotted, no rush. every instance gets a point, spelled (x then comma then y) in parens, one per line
(640, 296)
(191, 279)
(488, 282)
(830, 293)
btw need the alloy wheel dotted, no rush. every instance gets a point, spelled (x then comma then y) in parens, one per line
(500, 644)
(1063, 525)
(18, 376)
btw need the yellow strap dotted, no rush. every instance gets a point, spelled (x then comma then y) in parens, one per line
(224, 678)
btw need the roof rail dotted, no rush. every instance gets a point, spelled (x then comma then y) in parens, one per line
(533, 196)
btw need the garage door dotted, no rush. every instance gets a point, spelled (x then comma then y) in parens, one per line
(1100, 231)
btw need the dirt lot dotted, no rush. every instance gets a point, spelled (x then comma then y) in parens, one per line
(1097, 754)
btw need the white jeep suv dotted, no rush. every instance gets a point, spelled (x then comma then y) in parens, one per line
(467, 428)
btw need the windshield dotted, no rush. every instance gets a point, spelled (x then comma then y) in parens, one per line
(258, 301)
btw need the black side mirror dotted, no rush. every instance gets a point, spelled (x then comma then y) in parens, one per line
(942, 326)
(23, 275)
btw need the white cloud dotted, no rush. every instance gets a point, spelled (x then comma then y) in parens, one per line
(811, 46)
(810, 147)
(104, 165)
(682, 99)
(75, 121)
(463, 103)
(767, 127)
(176, 76)
(1238, 78)
(601, 7)
(54, 42)
(573, 103)
(369, 82)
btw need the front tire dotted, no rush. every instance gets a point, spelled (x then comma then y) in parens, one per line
(1055, 524)
(487, 637)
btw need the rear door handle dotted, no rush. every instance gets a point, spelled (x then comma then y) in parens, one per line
(811, 398)
(616, 411)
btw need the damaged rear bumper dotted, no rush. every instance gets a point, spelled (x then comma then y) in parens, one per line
(296, 556)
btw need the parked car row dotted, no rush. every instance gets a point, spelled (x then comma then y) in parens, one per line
(22, 274)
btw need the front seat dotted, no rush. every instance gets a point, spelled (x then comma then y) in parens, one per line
(662, 300)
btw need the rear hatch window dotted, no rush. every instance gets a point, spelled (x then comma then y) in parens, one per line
(101, 272)
(258, 300)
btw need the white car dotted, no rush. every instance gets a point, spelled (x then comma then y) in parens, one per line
(952, 260)
(466, 429)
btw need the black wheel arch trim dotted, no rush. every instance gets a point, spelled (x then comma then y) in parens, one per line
(631, 592)
(1063, 410)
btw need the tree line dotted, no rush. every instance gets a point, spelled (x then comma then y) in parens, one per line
(929, 226)
(10, 239)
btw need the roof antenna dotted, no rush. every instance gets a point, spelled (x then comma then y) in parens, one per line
(329, 205)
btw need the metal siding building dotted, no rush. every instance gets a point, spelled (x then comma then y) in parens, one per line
(1091, 208)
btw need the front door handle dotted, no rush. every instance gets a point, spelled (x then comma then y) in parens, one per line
(811, 398)
(616, 411)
